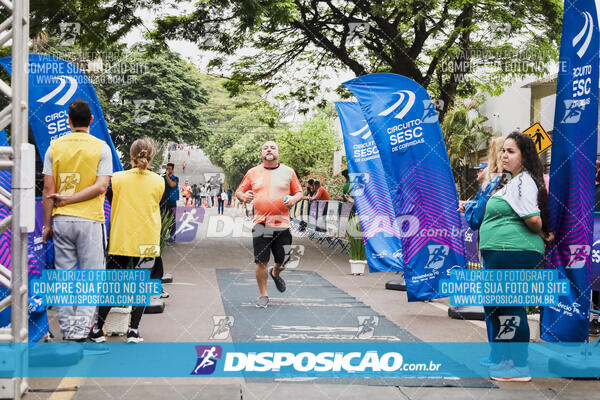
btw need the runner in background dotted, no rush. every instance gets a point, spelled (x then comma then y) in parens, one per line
(135, 225)
(269, 185)
(186, 192)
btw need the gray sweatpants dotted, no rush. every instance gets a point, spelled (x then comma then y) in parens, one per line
(77, 241)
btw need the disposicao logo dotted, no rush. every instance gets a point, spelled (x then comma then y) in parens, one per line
(207, 359)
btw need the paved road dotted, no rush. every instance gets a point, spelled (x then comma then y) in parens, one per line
(195, 299)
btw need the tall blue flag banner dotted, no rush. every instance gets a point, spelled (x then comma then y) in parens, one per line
(405, 127)
(53, 85)
(370, 190)
(572, 171)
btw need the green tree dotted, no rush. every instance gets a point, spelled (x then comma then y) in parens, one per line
(101, 23)
(243, 155)
(450, 47)
(234, 145)
(465, 135)
(311, 145)
(161, 97)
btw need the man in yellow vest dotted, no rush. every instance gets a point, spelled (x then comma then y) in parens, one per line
(77, 170)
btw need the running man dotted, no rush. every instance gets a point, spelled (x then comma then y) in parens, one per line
(269, 186)
(186, 191)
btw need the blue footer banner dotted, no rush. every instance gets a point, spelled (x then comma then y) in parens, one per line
(290, 359)
(572, 172)
(405, 128)
(370, 190)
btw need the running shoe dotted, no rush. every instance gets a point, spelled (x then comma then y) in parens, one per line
(279, 282)
(134, 337)
(96, 335)
(514, 374)
(164, 295)
(262, 302)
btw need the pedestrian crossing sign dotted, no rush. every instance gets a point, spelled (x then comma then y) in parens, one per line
(540, 137)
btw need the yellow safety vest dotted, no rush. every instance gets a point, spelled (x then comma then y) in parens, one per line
(75, 159)
(135, 215)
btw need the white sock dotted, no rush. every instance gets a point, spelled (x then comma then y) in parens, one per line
(133, 330)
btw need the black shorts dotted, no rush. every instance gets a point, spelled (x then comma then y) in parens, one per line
(266, 239)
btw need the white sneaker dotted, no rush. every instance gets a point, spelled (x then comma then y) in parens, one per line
(514, 374)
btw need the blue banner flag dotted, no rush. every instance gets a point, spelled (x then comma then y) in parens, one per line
(405, 127)
(572, 172)
(53, 85)
(370, 190)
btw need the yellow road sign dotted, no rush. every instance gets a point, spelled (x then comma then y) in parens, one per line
(540, 137)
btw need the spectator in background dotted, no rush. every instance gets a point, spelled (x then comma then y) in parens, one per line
(214, 192)
(203, 190)
(347, 188)
(171, 195)
(229, 196)
(309, 189)
(195, 195)
(513, 233)
(221, 196)
(320, 193)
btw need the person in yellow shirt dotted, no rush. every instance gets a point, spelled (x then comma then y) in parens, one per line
(77, 170)
(134, 226)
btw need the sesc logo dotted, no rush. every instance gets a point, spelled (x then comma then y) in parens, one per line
(404, 95)
(207, 359)
(587, 31)
(365, 129)
(67, 96)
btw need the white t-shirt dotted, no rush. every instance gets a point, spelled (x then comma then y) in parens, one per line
(521, 194)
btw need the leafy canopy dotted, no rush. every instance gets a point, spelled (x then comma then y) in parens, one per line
(451, 47)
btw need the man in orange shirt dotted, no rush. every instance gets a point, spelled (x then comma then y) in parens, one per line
(269, 185)
(320, 192)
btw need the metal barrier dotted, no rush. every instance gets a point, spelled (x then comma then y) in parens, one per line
(324, 221)
(20, 159)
